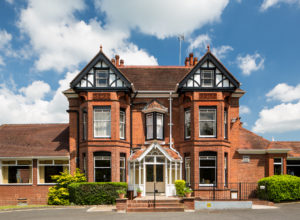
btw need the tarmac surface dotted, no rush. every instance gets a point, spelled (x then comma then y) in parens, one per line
(284, 211)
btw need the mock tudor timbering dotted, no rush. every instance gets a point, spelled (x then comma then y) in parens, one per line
(144, 125)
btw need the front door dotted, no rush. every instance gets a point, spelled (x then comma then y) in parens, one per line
(155, 174)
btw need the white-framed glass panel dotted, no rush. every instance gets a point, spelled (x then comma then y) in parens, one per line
(207, 122)
(159, 125)
(122, 124)
(187, 166)
(122, 168)
(149, 125)
(278, 166)
(225, 123)
(102, 168)
(16, 172)
(187, 123)
(208, 168)
(207, 78)
(48, 168)
(84, 125)
(101, 76)
(293, 167)
(102, 122)
(225, 169)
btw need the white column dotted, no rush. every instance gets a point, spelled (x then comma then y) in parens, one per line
(180, 170)
(134, 176)
(144, 190)
(129, 173)
(166, 176)
(170, 181)
(140, 173)
(175, 171)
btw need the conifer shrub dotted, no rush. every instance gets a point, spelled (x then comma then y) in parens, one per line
(180, 186)
(95, 193)
(279, 188)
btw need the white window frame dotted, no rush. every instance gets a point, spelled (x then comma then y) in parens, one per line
(102, 158)
(52, 164)
(16, 164)
(214, 122)
(122, 125)
(187, 122)
(208, 167)
(97, 77)
(149, 124)
(84, 125)
(203, 72)
(123, 169)
(161, 126)
(187, 168)
(102, 109)
(278, 163)
(225, 123)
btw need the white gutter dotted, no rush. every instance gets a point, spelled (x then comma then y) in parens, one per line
(38, 157)
(262, 151)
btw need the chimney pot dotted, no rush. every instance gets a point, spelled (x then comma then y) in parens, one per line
(195, 61)
(186, 61)
(191, 59)
(117, 60)
(113, 61)
(121, 62)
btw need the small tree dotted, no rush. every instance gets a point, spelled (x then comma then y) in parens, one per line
(180, 186)
(59, 194)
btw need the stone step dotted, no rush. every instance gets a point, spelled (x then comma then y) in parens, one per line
(161, 209)
(170, 201)
(170, 205)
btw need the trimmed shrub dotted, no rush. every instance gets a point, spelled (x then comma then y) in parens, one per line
(59, 194)
(279, 188)
(180, 186)
(95, 193)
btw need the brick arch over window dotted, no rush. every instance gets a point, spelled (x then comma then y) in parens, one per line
(208, 168)
(102, 166)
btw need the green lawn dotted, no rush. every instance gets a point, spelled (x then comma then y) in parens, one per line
(22, 206)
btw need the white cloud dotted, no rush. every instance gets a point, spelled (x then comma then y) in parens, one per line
(19, 107)
(250, 63)
(2, 61)
(221, 52)
(273, 3)
(62, 42)
(199, 42)
(244, 110)
(10, 1)
(281, 118)
(163, 19)
(5, 39)
(284, 93)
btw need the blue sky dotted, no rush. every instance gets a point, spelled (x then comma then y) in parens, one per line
(44, 44)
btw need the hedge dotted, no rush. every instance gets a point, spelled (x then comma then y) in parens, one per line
(95, 193)
(279, 188)
(180, 186)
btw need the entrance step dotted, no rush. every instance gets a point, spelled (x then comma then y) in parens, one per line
(166, 205)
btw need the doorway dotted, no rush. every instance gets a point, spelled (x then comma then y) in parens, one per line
(155, 174)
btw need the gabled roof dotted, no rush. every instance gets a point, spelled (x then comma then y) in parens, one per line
(208, 56)
(30, 140)
(100, 56)
(155, 106)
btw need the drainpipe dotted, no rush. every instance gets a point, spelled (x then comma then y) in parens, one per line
(170, 121)
(77, 141)
(131, 106)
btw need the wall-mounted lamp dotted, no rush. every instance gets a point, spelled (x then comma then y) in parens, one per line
(233, 120)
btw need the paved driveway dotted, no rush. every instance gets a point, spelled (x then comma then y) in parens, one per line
(285, 212)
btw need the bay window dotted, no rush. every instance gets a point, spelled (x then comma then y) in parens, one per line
(207, 122)
(208, 168)
(49, 168)
(102, 166)
(225, 123)
(16, 171)
(84, 125)
(102, 122)
(154, 126)
(187, 123)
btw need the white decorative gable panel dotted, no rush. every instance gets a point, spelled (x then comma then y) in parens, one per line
(101, 76)
(208, 76)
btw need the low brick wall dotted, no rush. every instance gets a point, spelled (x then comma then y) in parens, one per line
(12, 194)
(189, 204)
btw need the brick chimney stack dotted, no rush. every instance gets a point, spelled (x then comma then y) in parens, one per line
(195, 60)
(117, 60)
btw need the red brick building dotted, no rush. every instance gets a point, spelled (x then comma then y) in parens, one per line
(144, 125)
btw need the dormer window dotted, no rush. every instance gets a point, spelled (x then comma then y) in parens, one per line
(101, 77)
(207, 78)
(154, 126)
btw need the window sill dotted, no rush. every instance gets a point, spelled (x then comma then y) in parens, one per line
(46, 184)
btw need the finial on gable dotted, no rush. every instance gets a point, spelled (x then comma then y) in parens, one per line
(208, 47)
(101, 47)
